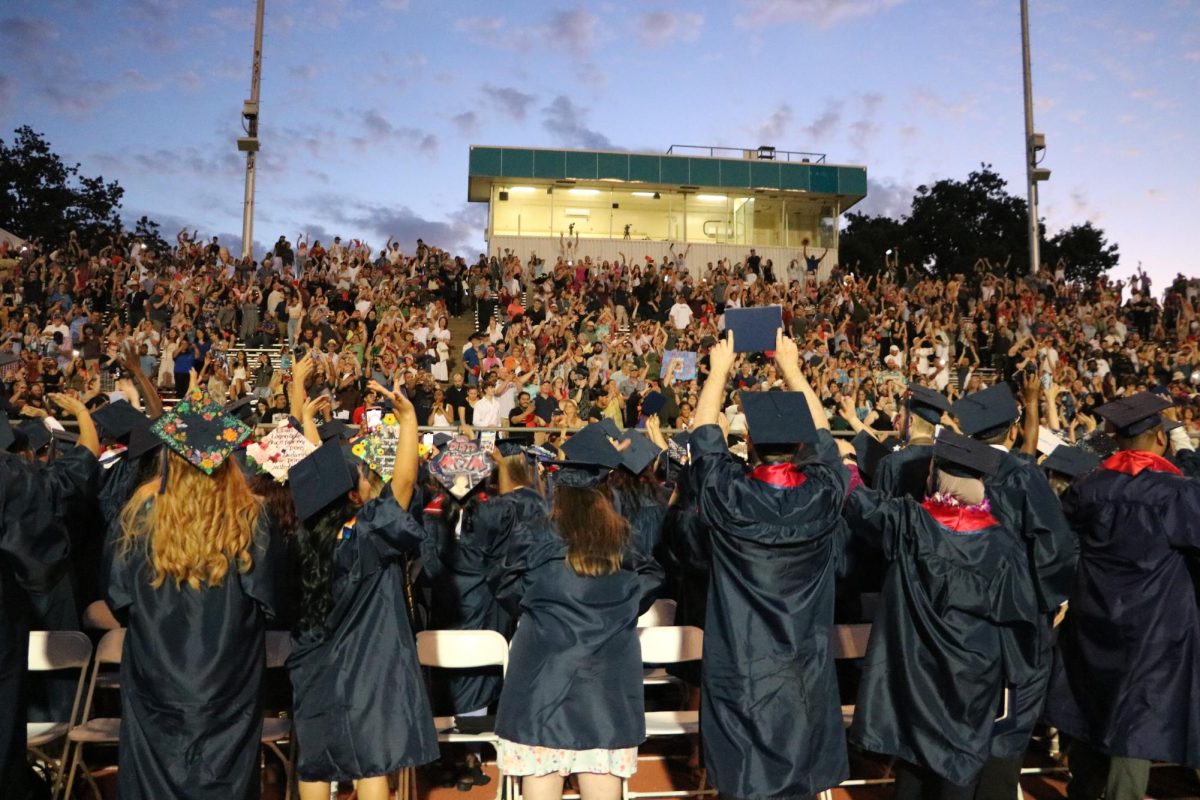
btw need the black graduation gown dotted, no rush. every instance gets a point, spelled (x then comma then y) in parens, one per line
(1129, 649)
(1023, 500)
(463, 600)
(956, 618)
(575, 666)
(770, 719)
(192, 674)
(904, 473)
(686, 555)
(359, 703)
(34, 552)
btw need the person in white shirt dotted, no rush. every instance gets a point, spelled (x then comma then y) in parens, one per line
(486, 413)
(680, 314)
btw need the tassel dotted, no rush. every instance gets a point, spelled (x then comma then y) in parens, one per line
(162, 483)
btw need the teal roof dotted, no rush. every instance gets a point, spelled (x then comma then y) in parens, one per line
(490, 164)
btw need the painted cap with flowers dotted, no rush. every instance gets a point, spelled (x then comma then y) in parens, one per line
(201, 431)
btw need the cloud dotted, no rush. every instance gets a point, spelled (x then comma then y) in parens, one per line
(511, 101)
(824, 126)
(25, 37)
(572, 30)
(939, 106)
(238, 18)
(818, 13)
(394, 5)
(460, 232)
(1145, 37)
(189, 80)
(777, 125)
(664, 27)
(886, 197)
(864, 131)
(1194, 56)
(466, 122)
(379, 131)
(303, 72)
(568, 122)
(482, 29)
(8, 88)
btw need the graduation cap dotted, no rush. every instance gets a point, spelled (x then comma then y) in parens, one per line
(653, 403)
(200, 431)
(1098, 443)
(510, 447)
(677, 447)
(279, 451)
(778, 418)
(36, 434)
(320, 479)
(868, 452)
(7, 435)
(335, 428)
(377, 449)
(640, 453)
(462, 466)
(754, 328)
(440, 439)
(590, 445)
(119, 419)
(65, 436)
(965, 455)
(141, 442)
(986, 413)
(1074, 462)
(928, 404)
(1136, 414)
(242, 408)
(610, 427)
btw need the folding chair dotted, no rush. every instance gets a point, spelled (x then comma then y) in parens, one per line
(661, 614)
(458, 650)
(279, 729)
(671, 644)
(105, 730)
(50, 651)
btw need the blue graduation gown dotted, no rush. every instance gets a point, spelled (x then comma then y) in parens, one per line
(1129, 673)
(771, 722)
(957, 619)
(34, 553)
(191, 674)
(458, 568)
(1025, 503)
(575, 666)
(359, 702)
(904, 473)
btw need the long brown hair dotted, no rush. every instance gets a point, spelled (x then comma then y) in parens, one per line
(594, 532)
(194, 529)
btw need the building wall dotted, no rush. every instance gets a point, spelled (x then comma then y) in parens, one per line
(600, 250)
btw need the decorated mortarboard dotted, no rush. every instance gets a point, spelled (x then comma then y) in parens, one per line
(279, 451)
(377, 449)
(336, 429)
(320, 479)
(677, 447)
(928, 404)
(200, 431)
(461, 466)
(541, 453)
(639, 453)
(510, 447)
(987, 412)
(653, 403)
(1136, 414)
(36, 434)
(868, 452)
(1074, 462)
(242, 408)
(754, 329)
(963, 455)
(440, 439)
(774, 418)
(1099, 443)
(119, 419)
(591, 445)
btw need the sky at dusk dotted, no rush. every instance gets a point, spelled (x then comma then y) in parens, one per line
(368, 106)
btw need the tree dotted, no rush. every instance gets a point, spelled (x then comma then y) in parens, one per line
(863, 245)
(954, 223)
(44, 198)
(1084, 250)
(147, 230)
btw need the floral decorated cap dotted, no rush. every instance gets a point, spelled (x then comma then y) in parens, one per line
(201, 431)
(378, 449)
(279, 451)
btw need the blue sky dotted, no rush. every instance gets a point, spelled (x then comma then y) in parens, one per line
(368, 106)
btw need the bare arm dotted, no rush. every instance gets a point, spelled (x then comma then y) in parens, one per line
(787, 358)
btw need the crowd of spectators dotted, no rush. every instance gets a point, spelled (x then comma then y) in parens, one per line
(554, 343)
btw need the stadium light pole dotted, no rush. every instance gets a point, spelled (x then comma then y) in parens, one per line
(248, 144)
(1035, 143)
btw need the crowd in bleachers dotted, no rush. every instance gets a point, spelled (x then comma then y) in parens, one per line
(158, 513)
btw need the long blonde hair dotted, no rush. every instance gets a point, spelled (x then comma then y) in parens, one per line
(197, 526)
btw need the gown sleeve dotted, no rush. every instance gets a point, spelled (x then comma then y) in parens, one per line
(1179, 517)
(393, 531)
(267, 577)
(33, 541)
(650, 576)
(120, 571)
(1054, 546)
(873, 516)
(528, 547)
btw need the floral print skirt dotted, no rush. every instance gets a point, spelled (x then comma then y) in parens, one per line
(524, 759)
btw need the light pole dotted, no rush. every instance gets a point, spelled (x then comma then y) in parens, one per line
(248, 144)
(1035, 143)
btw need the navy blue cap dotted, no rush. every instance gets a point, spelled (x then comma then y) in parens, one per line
(1074, 462)
(1133, 415)
(778, 418)
(335, 429)
(36, 434)
(652, 403)
(118, 419)
(1099, 443)
(440, 439)
(610, 427)
(510, 447)
(640, 453)
(320, 479)
(869, 451)
(987, 412)
(754, 328)
(578, 474)
(590, 445)
(964, 455)
(242, 408)
(142, 441)
(928, 404)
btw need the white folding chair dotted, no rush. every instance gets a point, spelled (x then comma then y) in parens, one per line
(671, 644)
(453, 649)
(103, 731)
(50, 651)
(276, 730)
(658, 615)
